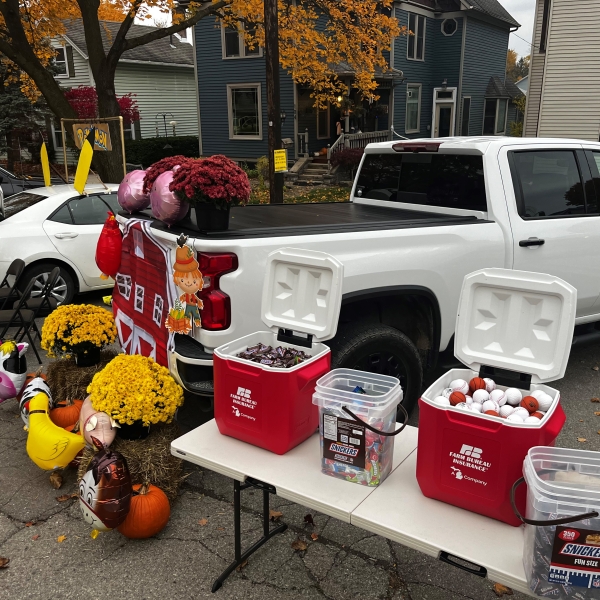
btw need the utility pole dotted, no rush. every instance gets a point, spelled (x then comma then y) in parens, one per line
(273, 106)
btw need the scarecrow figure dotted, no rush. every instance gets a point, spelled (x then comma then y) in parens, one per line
(188, 278)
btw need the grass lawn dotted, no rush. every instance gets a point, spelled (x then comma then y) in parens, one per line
(300, 195)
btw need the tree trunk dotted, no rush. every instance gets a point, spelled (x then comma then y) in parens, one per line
(10, 161)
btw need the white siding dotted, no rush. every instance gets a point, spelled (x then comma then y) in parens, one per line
(161, 89)
(571, 97)
(536, 77)
(82, 75)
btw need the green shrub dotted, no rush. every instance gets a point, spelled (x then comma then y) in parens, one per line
(252, 173)
(150, 150)
(262, 166)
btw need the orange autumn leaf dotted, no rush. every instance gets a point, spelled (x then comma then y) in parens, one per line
(61, 538)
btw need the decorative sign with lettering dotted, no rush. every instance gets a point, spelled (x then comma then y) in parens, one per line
(102, 135)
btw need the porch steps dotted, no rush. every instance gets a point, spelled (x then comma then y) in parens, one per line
(312, 174)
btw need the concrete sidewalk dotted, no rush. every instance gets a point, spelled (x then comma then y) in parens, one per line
(340, 561)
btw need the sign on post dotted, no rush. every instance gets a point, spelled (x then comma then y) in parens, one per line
(280, 161)
(102, 136)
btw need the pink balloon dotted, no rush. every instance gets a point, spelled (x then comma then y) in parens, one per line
(165, 205)
(130, 195)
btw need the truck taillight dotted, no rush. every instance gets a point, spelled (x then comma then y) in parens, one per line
(216, 314)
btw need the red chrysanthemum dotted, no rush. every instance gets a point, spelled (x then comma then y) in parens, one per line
(159, 167)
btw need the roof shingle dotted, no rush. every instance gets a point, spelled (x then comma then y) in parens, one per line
(493, 8)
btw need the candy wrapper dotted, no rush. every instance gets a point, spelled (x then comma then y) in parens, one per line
(278, 358)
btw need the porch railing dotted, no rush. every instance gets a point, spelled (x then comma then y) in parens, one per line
(357, 140)
(303, 143)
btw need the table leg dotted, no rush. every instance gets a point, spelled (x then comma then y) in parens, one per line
(268, 533)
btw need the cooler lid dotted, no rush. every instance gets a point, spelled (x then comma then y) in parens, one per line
(516, 320)
(302, 292)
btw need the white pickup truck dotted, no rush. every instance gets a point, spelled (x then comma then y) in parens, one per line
(421, 215)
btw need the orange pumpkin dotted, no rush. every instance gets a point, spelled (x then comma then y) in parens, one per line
(66, 413)
(148, 514)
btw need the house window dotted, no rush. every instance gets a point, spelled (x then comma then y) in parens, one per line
(544, 32)
(139, 298)
(124, 285)
(129, 130)
(413, 108)
(416, 37)
(494, 116)
(57, 136)
(234, 42)
(158, 309)
(323, 123)
(245, 111)
(138, 243)
(466, 115)
(61, 64)
(449, 27)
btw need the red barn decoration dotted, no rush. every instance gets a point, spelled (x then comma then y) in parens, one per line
(108, 250)
(143, 293)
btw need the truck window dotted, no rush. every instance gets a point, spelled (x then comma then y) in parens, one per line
(547, 183)
(593, 196)
(446, 180)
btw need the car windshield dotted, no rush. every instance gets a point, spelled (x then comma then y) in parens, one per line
(15, 204)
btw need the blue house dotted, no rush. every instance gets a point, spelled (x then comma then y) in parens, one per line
(446, 79)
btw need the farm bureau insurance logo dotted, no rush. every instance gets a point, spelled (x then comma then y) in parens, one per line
(471, 458)
(243, 398)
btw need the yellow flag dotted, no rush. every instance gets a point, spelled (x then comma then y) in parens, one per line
(45, 165)
(85, 161)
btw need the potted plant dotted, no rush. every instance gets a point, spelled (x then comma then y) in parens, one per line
(137, 393)
(79, 330)
(212, 186)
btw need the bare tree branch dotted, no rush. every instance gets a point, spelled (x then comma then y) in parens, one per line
(116, 49)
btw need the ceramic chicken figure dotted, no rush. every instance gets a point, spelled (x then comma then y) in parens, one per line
(13, 369)
(48, 445)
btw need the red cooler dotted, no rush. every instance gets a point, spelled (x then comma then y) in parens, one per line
(272, 407)
(515, 328)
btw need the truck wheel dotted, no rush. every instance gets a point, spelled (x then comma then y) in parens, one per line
(64, 288)
(380, 349)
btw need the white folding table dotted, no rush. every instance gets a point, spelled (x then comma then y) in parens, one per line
(396, 509)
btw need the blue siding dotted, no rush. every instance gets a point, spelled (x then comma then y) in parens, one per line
(485, 56)
(214, 73)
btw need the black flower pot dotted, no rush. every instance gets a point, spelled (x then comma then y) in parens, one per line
(89, 358)
(136, 431)
(211, 218)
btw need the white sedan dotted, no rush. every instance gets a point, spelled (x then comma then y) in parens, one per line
(56, 226)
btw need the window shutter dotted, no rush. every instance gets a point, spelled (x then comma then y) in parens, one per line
(137, 130)
(70, 61)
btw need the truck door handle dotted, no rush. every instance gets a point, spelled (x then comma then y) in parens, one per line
(531, 242)
(62, 236)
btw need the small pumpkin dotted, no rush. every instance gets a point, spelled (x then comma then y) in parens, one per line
(149, 512)
(66, 413)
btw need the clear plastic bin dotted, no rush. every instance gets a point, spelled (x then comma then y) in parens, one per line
(562, 561)
(349, 450)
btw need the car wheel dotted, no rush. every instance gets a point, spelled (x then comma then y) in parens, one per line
(64, 289)
(380, 349)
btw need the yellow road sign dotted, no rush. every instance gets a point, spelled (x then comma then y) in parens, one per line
(280, 161)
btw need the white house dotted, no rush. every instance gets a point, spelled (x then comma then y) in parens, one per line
(160, 75)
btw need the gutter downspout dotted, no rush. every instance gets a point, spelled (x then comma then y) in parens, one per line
(197, 92)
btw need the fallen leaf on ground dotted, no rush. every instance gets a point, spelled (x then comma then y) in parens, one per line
(240, 567)
(36, 537)
(314, 537)
(502, 590)
(581, 420)
(581, 439)
(30, 524)
(595, 400)
(597, 413)
(56, 480)
(61, 538)
(309, 519)
(94, 533)
(202, 522)
(275, 515)
(298, 544)
(4, 562)
(66, 497)
(596, 368)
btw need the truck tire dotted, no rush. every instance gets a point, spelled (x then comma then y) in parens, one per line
(64, 289)
(380, 349)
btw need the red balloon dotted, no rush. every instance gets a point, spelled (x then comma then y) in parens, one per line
(108, 250)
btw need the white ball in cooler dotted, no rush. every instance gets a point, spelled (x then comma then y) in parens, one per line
(446, 392)
(536, 394)
(506, 410)
(514, 418)
(532, 420)
(545, 401)
(442, 401)
(498, 396)
(476, 407)
(521, 412)
(513, 396)
(460, 385)
(490, 384)
(462, 406)
(490, 405)
(468, 400)
(480, 396)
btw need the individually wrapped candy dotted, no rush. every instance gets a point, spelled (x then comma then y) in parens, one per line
(279, 358)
